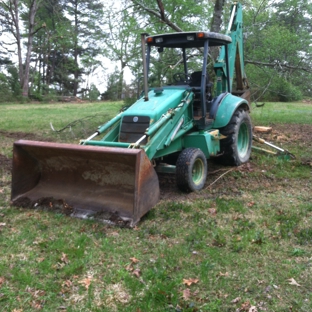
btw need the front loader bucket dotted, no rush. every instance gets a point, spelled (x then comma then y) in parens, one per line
(106, 183)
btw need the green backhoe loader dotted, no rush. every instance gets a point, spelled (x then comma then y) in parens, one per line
(173, 127)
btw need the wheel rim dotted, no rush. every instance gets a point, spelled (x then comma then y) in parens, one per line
(198, 171)
(243, 140)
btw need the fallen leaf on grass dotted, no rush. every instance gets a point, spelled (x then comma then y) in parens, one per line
(190, 281)
(130, 267)
(39, 293)
(238, 238)
(293, 282)
(186, 294)
(58, 266)
(64, 258)
(220, 294)
(86, 282)
(245, 306)
(67, 283)
(226, 274)
(237, 299)
(36, 293)
(134, 260)
(2, 224)
(212, 211)
(137, 273)
(38, 305)
(2, 280)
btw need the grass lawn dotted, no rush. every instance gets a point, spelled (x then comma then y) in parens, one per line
(241, 244)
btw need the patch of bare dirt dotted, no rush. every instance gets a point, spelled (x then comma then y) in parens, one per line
(291, 133)
(24, 136)
(221, 180)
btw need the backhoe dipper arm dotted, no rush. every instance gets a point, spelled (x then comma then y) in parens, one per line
(235, 55)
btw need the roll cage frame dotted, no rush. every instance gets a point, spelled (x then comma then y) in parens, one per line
(184, 40)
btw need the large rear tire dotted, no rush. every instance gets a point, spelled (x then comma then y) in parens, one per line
(236, 147)
(191, 170)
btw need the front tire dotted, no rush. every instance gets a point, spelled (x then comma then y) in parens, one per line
(191, 170)
(236, 147)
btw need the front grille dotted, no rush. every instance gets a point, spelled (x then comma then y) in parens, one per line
(133, 128)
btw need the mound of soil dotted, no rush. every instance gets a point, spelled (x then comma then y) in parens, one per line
(24, 136)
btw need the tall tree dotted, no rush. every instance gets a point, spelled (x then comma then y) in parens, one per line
(55, 38)
(86, 17)
(10, 20)
(10, 12)
(122, 40)
(32, 29)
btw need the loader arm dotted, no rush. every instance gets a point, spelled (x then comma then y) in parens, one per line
(175, 123)
(159, 138)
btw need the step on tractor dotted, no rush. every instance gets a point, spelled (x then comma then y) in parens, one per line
(173, 128)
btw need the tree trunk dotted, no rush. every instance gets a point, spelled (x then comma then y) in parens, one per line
(32, 14)
(216, 24)
(76, 71)
(13, 9)
(217, 16)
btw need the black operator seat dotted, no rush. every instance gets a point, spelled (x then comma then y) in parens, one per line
(195, 83)
(196, 79)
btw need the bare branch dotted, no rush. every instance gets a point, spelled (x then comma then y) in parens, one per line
(265, 89)
(163, 18)
(161, 9)
(278, 64)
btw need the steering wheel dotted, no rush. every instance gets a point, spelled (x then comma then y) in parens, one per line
(182, 78)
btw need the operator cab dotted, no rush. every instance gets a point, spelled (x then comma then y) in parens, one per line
(183, 59)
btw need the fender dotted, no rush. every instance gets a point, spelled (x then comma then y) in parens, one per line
(226, 108)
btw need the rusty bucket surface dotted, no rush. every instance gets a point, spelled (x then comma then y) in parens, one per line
(91, 181)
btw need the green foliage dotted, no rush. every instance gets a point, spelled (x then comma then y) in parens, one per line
(267, 85)
(10, 89)
(94, 93)
(186, 14)
(5, 96)
(285, 91)
(278, 49)
(70, 36)
(114, 86)
(128, 101)
(14, 80)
